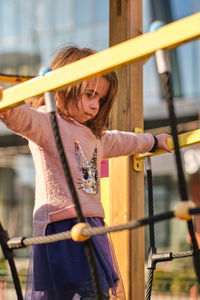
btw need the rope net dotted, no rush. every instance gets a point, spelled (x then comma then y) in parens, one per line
(20, 242)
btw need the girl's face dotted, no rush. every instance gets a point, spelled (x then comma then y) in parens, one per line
(89, 103)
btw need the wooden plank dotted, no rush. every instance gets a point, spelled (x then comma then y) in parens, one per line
(127, 186)
(119, 214)
(129, 51)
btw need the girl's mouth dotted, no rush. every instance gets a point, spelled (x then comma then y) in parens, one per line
(89, 115)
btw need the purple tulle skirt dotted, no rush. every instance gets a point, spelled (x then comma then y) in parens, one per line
(60, 270)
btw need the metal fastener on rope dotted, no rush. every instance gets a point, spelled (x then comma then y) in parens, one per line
(50, 102)
(147, 162)
(49, 96)
(16, 243)
(162, 61)
(161, 55)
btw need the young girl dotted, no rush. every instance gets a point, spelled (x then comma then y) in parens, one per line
(60, 270)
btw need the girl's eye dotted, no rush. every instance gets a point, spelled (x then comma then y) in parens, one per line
(90, 96)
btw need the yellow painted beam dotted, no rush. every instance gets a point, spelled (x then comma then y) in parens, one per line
(14, 78)
(131, 51)
(185, 140)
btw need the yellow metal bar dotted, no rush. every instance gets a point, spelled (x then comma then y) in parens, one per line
(14, 78)
(185, 140)
(133, 50)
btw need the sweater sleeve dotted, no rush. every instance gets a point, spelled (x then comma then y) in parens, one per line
(119, 143)
(27, 122)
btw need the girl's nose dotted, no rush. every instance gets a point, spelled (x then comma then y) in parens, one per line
(94, 104)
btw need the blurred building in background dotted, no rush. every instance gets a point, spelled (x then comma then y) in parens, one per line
(29, 33)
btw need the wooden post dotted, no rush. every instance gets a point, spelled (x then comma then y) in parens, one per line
(126, 185)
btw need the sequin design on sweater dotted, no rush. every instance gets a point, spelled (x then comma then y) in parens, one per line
(89, 180)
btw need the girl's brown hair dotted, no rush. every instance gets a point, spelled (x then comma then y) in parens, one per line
(69, 55)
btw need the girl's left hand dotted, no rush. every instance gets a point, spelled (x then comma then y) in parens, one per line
(162, 141)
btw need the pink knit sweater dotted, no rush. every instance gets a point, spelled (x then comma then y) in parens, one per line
(84, 152)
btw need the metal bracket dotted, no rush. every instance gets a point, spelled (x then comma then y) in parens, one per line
(138, 161)
(16, 243)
